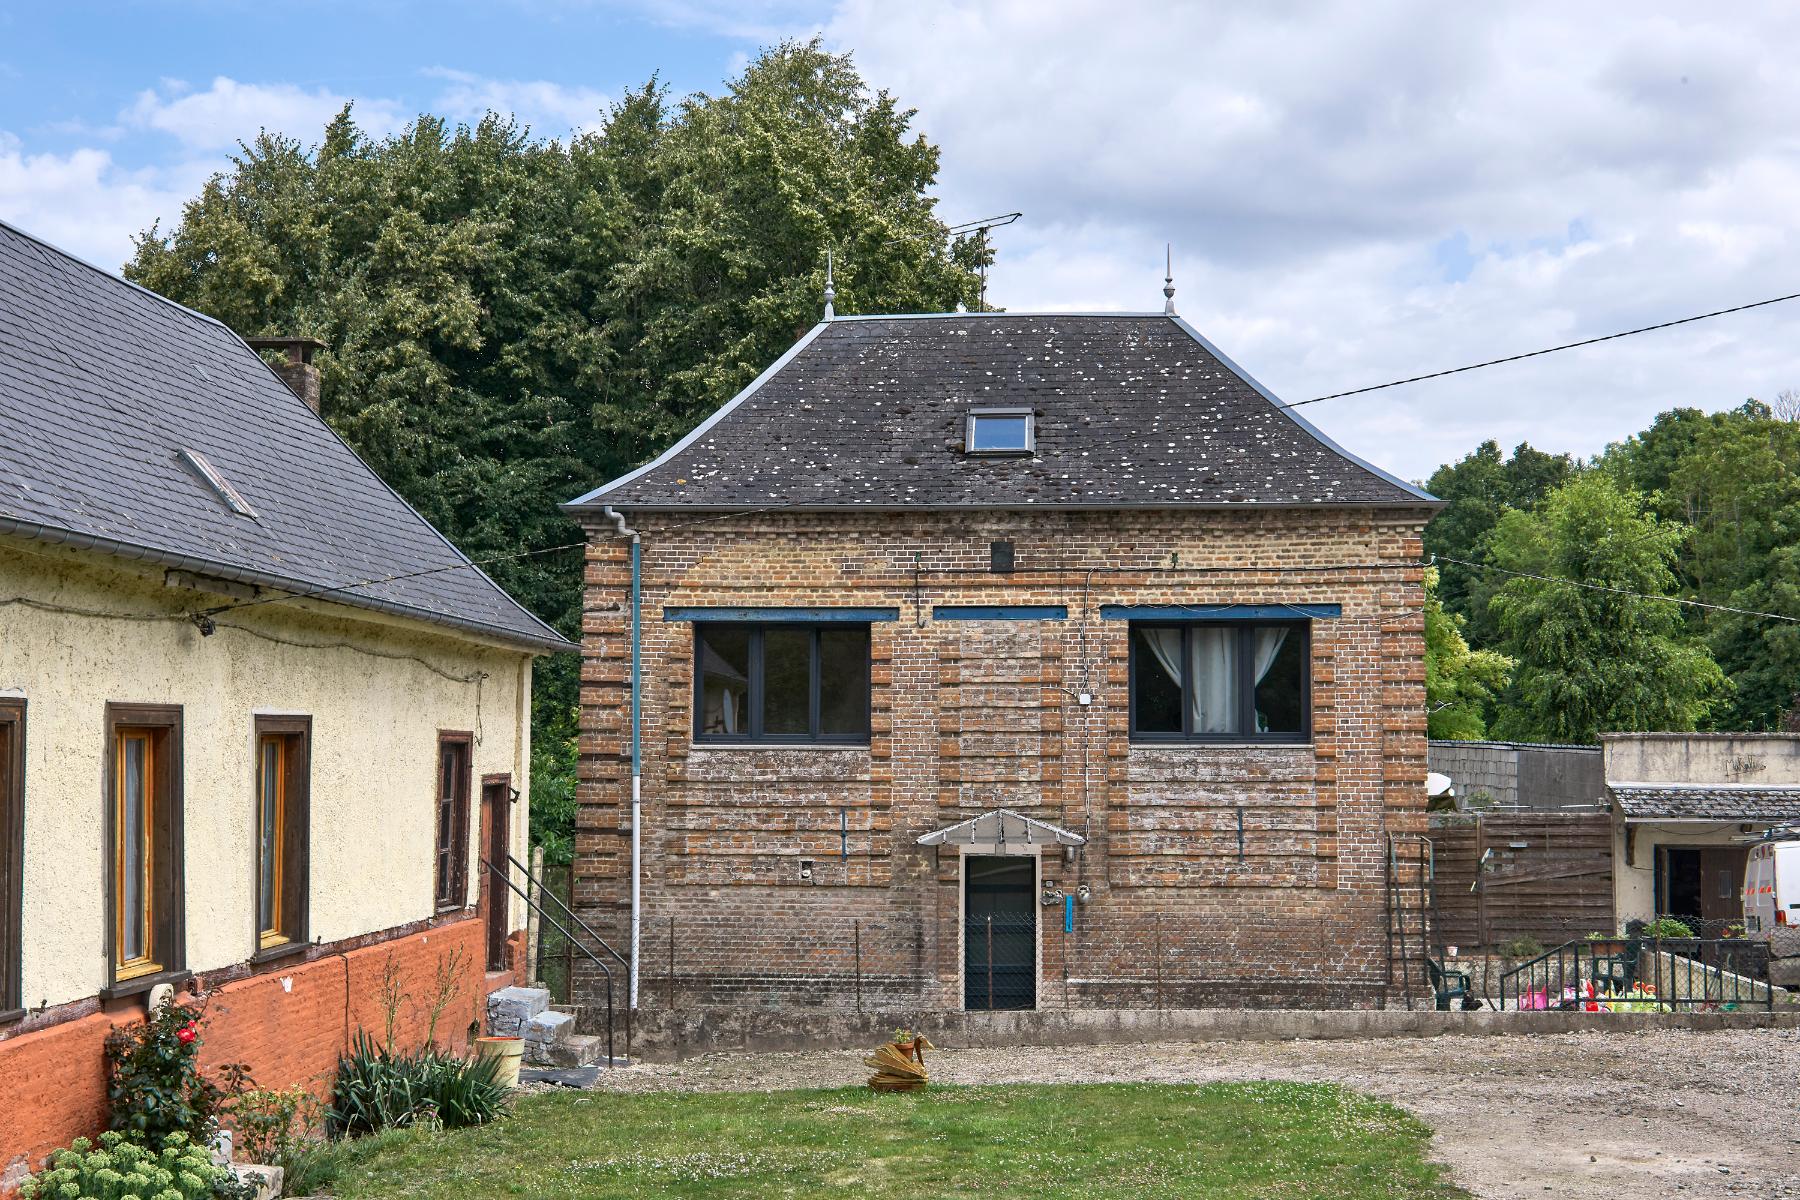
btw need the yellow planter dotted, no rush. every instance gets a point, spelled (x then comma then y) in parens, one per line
(511, 1053)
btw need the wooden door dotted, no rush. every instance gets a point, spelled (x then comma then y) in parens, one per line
(496, 803)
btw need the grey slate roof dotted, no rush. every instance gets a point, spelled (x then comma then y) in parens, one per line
(1133, 410)
(1724, 802)
(104, 384)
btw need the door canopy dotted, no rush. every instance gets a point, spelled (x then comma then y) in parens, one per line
(1002, 826)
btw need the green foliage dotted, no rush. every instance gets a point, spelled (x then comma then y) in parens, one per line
(1591, 661)
(155, 1088)
(553, 762)
(1668, 927)
(377, 1088)
(1461, 685)
(274, 1127)
(1477, 491)
(511, 320)
(1524, 946)
(122, 1169)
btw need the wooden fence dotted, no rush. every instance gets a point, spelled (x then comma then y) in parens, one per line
(1550, 876)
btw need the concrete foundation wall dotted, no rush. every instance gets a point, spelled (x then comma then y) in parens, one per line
(1716, 759)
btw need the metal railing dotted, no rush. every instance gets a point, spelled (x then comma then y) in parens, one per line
(538, 886)
(1637, 974)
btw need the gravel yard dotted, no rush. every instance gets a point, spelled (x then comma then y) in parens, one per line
(1624, 1115)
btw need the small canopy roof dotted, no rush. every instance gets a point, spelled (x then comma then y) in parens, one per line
(1000, 825)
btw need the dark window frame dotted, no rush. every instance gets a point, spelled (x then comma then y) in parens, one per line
(168, 934)
(293, 905)
(1246, 690)
(753, 734)
(450, 890)
(12, 858)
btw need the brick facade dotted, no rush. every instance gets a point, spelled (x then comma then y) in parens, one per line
(973, 715)
(289, 1023)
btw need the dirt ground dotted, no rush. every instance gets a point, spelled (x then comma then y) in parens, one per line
(1622, 1115)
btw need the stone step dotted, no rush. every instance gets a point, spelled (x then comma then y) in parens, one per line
(582, 1050)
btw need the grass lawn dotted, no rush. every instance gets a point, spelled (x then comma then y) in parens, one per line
(1087, 1140)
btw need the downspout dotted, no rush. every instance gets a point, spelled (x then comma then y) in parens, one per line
(637, 769)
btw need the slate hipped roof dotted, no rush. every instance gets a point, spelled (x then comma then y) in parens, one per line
(1722, 802)
(103, 385)
(1132, 411)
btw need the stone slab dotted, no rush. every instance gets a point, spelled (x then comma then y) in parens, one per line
(511, 1009)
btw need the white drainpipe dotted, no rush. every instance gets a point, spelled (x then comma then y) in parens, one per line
(637, 773)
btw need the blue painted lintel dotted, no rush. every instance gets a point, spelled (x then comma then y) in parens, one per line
(1000, 612)
(1219, 612)
(796, 616)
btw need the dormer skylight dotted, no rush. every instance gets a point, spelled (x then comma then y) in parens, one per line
(234, 500)
(1001, 431)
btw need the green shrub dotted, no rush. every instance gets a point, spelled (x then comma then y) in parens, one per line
(378, 1089)
(124, 1170)
(1668, 927)
(154, 1085)
(1522, 947)
(273, 1127)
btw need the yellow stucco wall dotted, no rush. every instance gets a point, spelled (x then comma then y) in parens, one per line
(374, 746)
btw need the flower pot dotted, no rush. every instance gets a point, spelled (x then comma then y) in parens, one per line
(509, 1050)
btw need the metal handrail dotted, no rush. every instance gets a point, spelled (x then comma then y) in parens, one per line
(1602, 962)
(571, 939)
(572, 915)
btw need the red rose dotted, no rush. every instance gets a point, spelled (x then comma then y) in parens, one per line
(187, 1033)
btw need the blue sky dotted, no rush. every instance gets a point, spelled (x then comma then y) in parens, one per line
(1356, 190)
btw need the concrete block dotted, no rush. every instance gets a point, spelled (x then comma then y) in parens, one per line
(511, 1009)
(546, 1031)
(266, 1180)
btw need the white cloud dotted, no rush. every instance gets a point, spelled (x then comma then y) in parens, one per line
(1360, 192)
(85, 202)
(228, 112)
(550, 109)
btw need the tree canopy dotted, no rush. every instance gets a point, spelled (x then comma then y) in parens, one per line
(511, 320)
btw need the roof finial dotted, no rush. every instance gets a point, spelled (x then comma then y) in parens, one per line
(1168, 280)
(830, 292)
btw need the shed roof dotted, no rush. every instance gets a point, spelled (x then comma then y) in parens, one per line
(1131, 411)
(1658, 801)
(115, 402)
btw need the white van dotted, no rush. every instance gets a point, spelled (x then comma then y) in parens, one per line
(1772, 906)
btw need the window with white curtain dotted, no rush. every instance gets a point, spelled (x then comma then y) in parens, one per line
(1233, 681)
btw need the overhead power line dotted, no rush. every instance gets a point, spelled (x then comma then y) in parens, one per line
(1617, 591)
(1494, 362)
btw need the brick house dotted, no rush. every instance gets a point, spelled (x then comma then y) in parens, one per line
(1001, 661)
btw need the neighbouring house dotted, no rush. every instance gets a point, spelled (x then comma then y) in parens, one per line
(1685, 808)
(259, 722)
(1001, 661)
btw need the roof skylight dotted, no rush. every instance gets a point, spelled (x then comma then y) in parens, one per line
(1001, 431)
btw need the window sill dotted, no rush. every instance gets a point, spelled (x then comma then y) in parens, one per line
(12, 1014)
(1179, 744)
(278, 952)
(138, 985)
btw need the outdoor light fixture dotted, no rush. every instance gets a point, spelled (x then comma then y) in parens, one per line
(1083, 894)
(806, 870)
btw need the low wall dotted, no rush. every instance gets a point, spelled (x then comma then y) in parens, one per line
(289, 1024)
(664, 1036)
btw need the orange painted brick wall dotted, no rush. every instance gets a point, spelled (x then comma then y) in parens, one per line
(288, 1024)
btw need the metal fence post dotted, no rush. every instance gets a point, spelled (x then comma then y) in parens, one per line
(1159, 963)
(859, 965)
(671, 964)
(990, 961)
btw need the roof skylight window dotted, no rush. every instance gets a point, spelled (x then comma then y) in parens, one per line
(1001, 431)
(234, 499)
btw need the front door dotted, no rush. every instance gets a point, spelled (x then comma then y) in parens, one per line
(999, 932)
(496, 800)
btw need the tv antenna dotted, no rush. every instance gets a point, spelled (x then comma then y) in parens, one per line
(980, 227)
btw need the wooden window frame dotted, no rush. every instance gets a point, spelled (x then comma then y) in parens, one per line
(1245, 690)
(166, 952)
(452, 893)
(12, 857)
(294, 826)
(753, 733)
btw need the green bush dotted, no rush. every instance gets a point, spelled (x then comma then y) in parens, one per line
(273, 1127)
(1668, 927)
(378, 1089)
(123, 1170)
(154, 1085)
(1522, 947)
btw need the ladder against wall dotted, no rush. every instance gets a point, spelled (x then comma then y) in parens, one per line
(1411, 918)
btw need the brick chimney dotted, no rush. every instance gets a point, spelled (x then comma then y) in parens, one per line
(298, 371)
